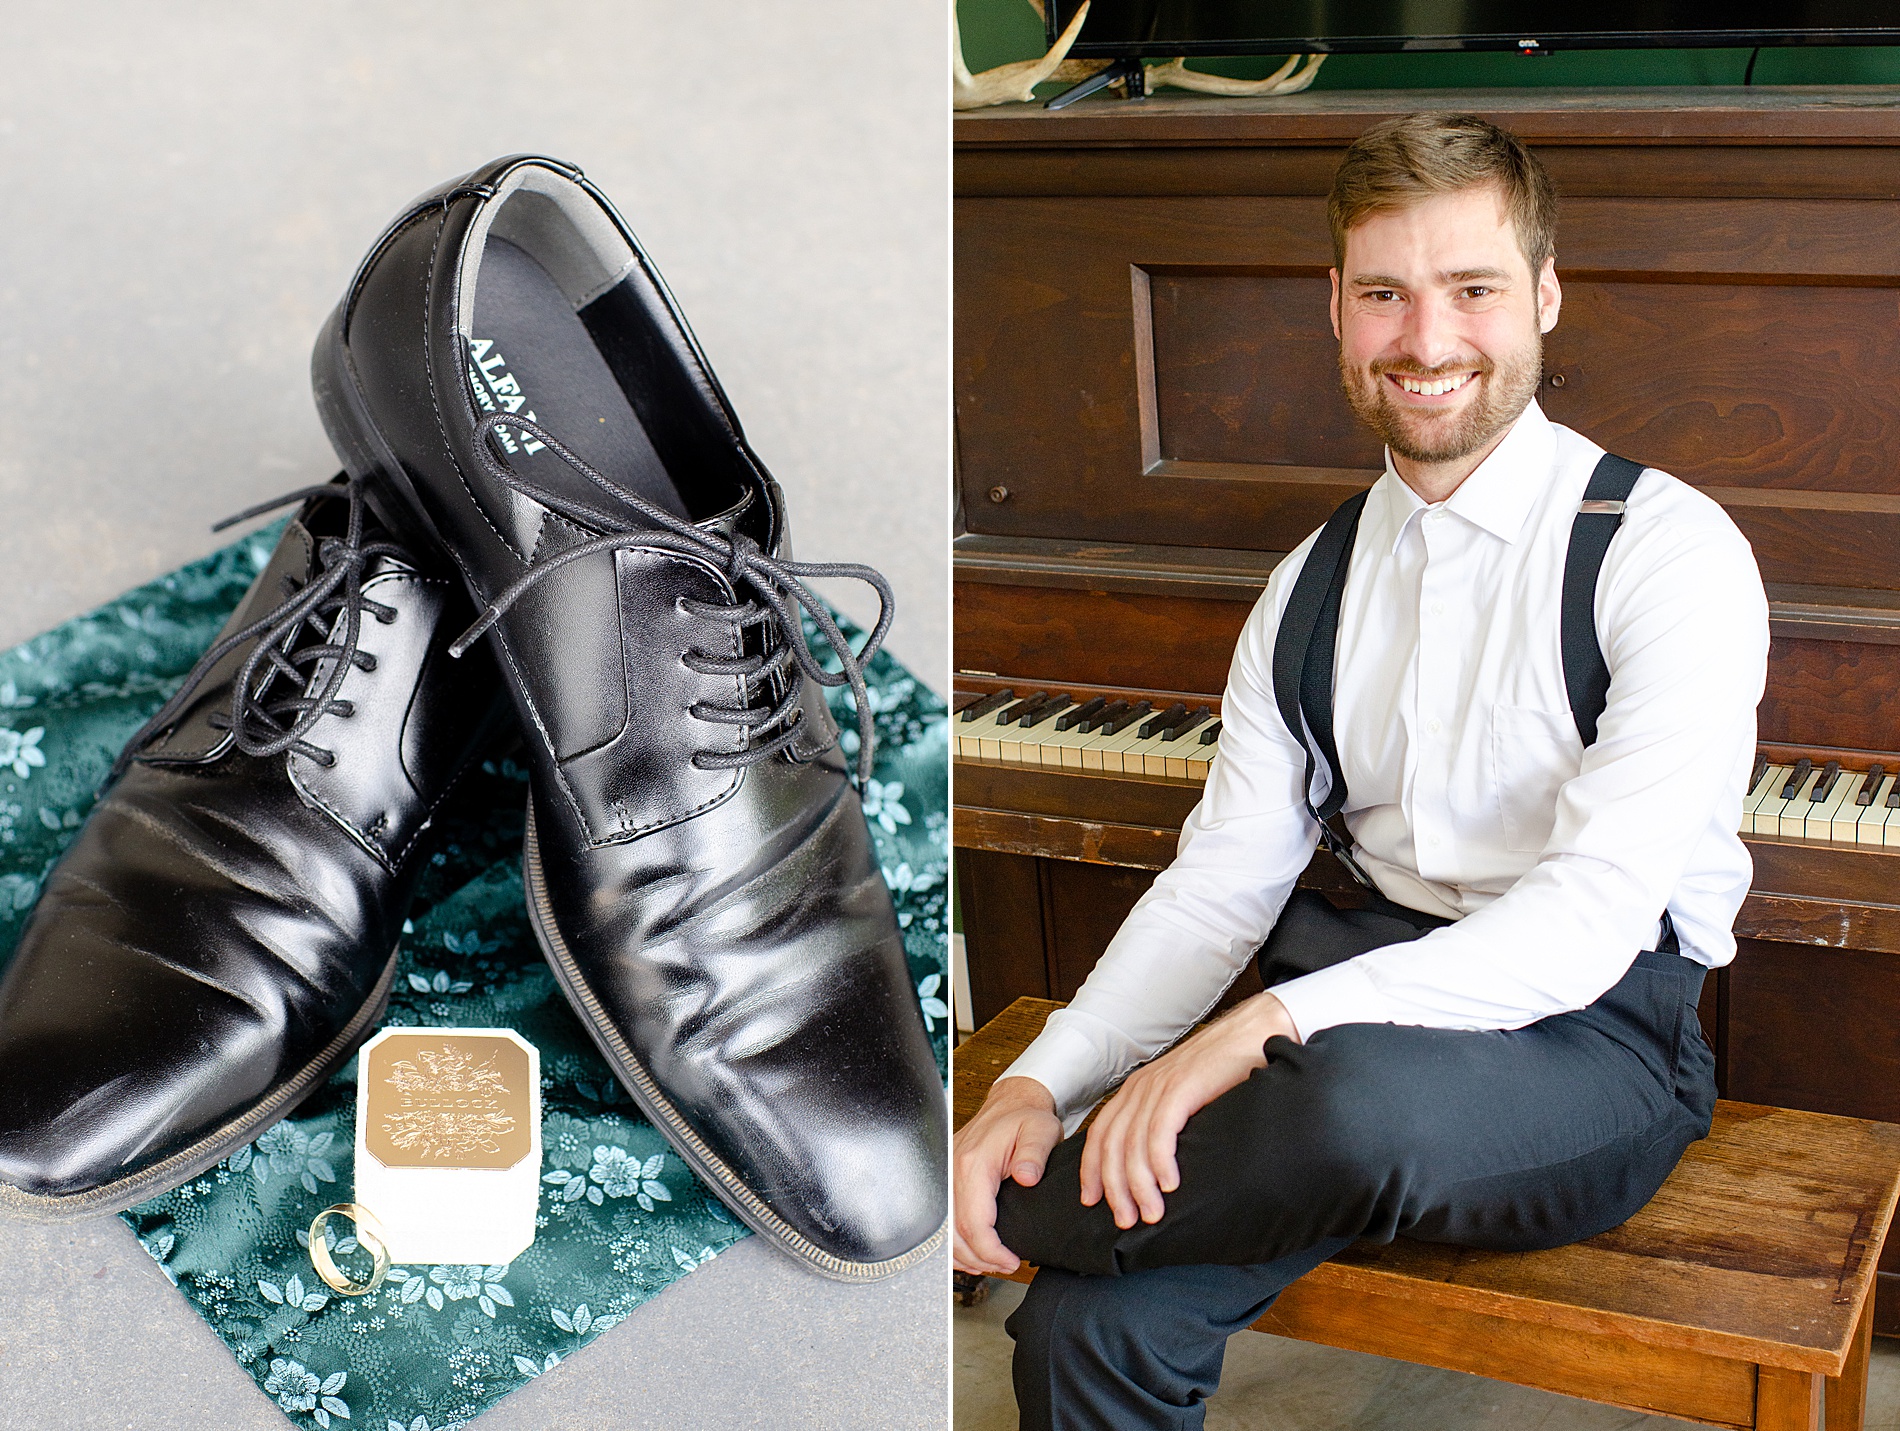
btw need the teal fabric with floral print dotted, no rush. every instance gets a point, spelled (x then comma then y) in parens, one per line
(620, 1215)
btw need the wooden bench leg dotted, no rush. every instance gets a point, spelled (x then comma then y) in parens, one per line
(1788, 1400)
(1847, 1393)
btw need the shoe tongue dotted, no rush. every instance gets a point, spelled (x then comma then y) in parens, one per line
(747, 517)
(727, 523)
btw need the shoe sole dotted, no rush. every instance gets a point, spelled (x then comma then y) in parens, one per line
(713, 1170)
(215, 1146)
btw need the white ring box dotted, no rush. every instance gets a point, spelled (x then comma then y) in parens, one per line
(448, 1143)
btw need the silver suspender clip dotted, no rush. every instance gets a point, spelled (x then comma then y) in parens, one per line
(1340, 848)
(1595, 508)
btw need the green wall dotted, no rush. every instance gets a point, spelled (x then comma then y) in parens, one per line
(997, 31)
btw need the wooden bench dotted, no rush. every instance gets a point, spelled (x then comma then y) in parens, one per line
(1740, 1296)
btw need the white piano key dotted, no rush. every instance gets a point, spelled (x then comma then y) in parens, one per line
(1106, 754)
(1872, 826)
(1135, 757)
(1009, 743)
(1817, 823)
(1040, 742)
(1088, 755)
(1074, 742)
(1174, 756)
(1063, 747)
(1766, 790)
(970, 737)
(1846, 813)
(1792, 821)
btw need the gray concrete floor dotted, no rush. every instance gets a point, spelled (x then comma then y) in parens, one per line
(1272, 1384)
(186, 189)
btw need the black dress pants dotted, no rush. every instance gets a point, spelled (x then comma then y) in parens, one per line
(1509, 1140)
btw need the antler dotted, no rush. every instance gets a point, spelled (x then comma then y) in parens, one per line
(1282, 81)
(1009, 82)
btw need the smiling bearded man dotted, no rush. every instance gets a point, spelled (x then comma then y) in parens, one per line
(1512, 687)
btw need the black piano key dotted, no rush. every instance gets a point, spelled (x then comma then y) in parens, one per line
(1127, 718)
(1161, 722)
(1211, 734)
(976, 710)
(1829, 774)
(1022, 708)
(1875, 774)
(1089, 725)
(1046, 711)
(1187, 722)
(1072, 718)
(1795, 778)
(1761, 769)
(1893, 797)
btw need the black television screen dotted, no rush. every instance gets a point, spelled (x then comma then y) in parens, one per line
(1160, 28)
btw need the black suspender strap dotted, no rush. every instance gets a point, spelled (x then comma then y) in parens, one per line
(1304, 647)
(1303, 672)
(1586, 673)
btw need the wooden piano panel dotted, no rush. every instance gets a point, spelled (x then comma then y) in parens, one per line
(1791, 383)
(1180, 351)
(1246, 370)
(1837, 693)
(1165, 643)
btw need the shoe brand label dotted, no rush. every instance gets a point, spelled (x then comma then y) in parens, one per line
(498, 390)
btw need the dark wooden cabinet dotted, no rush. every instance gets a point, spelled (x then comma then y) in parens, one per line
(1148, 416)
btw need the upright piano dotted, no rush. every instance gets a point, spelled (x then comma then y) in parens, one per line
(1148, 417)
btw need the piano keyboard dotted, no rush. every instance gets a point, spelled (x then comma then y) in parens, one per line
(1104, 733)
(1129, 736)
(1805, 801)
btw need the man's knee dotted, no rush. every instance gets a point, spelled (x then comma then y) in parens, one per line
(1326, 1120)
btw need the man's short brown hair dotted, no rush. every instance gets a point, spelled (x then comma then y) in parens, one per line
(1402, 161)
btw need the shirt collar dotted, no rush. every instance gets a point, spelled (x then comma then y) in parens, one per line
(1501, 490)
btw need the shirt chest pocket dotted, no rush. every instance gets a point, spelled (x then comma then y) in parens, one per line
(1533, 752)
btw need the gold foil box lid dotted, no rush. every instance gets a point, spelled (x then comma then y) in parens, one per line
(447, 1098)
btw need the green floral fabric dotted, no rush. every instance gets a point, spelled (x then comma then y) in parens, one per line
(620, 1215)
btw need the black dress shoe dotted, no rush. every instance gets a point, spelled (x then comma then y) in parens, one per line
(698, 866)
(222, 933)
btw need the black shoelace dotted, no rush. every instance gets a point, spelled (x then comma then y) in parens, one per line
(779, 584)
(331, 604)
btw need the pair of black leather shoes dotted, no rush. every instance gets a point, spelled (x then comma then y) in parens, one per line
(523, 415)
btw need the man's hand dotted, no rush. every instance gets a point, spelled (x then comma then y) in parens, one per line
(1129, 1157)
(1010, 1136)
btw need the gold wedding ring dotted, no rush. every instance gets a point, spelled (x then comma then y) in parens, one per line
(367, 1230)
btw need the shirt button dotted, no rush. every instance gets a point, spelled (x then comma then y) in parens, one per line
(1438, 608)
(1434, 727)
(1433, 842)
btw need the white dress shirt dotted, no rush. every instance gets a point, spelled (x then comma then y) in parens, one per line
(1470, 794)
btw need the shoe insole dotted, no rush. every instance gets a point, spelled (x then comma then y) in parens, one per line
(532, 355)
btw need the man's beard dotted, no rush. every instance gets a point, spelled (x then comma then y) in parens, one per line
(1504, 390)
